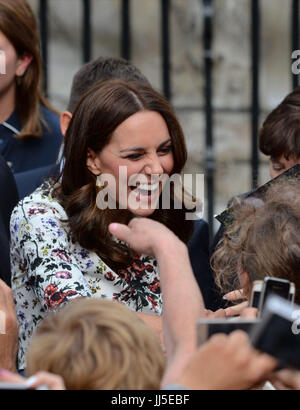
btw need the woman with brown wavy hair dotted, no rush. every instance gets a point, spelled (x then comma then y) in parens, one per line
(29, 130)
(263, 240)
(61, 246)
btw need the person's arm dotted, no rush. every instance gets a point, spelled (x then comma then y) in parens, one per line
(182, 299)
(8, 329)
(183, 306)
(156, 323)
(39, 380)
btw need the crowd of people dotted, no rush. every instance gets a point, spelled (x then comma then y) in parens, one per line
(106, 294)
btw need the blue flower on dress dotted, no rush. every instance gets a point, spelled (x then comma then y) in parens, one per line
(89, 264)
(21, 315)
(83, 253)
(50, 222)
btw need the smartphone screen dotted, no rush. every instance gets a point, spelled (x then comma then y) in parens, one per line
(255, 293)
(255, 299)
(275, 286)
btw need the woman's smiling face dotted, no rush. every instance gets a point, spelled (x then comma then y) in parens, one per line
(143, 145)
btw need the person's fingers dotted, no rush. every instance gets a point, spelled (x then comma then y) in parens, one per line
(3, 293)
(8, 296)
(238, 341)
(288, 378)
(218, 339)
(235, 295)
(220, 313)
(235, 310)
(121, 231)
(262, 365)
(249, 313)
(7, 376)
(52, 381)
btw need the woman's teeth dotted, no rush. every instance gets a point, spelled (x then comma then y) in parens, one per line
(145, 189)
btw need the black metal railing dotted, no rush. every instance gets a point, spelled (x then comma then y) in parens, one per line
(43, 15)
(209, 142)
(255, 58)
(166, 58)
(86, 31)
(125, 30)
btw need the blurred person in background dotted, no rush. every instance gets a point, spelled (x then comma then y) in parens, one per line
(30, 136)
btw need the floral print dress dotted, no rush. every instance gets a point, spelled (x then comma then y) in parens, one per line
(49, 269)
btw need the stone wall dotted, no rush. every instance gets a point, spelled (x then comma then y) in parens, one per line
(231, 76)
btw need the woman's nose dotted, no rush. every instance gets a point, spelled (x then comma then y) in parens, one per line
(154, 166)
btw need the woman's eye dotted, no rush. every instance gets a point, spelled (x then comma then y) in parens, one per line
(277, 167)
(134, 156)
(165, 150)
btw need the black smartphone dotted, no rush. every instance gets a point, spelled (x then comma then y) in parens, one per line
(273, 286)
(255, 293)
(207, 327)
(278, 331)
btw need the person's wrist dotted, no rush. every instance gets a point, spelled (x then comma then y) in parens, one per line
(172, 246)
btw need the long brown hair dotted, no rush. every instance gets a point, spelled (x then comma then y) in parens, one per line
(18, 24)
(263, 240)
(96, 117)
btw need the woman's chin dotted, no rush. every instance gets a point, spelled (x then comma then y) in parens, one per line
(142, 212)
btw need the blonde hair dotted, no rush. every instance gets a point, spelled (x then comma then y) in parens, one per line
(97, 344)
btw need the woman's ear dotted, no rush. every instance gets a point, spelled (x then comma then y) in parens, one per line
(93, 162)
(23, 63)
(64, 120)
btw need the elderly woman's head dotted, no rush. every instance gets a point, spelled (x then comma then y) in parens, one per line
(264, 240)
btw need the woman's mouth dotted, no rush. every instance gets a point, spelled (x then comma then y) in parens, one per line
(145, 192)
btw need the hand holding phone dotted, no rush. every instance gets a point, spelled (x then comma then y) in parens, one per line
(277, 332)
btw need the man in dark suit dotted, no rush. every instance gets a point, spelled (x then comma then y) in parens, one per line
(8, 200)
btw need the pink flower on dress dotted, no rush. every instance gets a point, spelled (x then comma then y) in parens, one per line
(61, 254)
(63, 274)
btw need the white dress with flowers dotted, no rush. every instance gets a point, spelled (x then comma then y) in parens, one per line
(48, 268)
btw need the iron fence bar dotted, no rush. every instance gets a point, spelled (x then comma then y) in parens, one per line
(295, 36)
(209, 152)
(125, 30)
(165, 49)
(43, 16)
(255, 55)
(86, 31)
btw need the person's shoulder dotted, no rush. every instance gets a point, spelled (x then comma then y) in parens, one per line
(52, 121)
(49, 115)
(40, 202)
